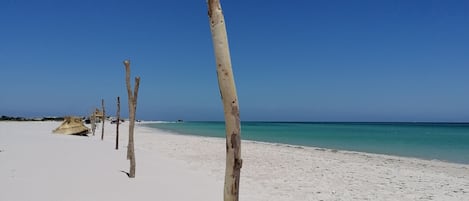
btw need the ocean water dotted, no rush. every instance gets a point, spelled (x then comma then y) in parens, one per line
(433, 141)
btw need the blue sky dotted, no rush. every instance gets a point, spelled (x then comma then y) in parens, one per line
(305, 60)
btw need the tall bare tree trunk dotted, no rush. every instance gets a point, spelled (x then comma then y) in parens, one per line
(132, 109)
(230, 101)
(118, 121)
(104, 117)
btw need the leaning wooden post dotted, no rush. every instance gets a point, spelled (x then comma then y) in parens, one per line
(118, 121)
(229, 98)
(132, 109)
(104, 117)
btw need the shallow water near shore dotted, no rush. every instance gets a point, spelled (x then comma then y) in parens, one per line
(432, 141)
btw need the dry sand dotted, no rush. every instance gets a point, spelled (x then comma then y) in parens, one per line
(38, 165)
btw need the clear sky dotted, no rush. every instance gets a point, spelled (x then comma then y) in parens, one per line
(304, 60)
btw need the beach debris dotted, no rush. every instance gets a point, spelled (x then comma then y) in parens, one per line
(93, 123)
(118, 121)
(132, 109)
(72, 126)
(229, 98)
(98, 115)
(94, 118)
(103, 118)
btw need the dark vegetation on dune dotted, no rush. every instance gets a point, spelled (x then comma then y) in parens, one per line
(9, 118)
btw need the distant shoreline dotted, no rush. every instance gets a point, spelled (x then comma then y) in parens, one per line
(61, 118)
(321, 122)
(17, 118)
(429, 141)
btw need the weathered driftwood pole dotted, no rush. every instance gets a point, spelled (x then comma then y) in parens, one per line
(229, 98)
(132, 109)
(104, 117)
(118, 121)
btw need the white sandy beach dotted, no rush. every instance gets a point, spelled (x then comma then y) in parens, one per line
(38, 165)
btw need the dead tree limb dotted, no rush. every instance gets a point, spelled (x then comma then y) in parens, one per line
(229, 98)
(132, 109)
(118, 121)
(104, 117)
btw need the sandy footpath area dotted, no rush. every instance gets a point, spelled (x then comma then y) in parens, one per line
(38, 165)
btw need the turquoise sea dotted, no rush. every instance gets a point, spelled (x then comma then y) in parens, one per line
(433, 141)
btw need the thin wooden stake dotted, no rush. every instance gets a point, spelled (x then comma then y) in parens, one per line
(132, 109)
(118, 121)
(104, 118)
(230, 101)
(93, 122)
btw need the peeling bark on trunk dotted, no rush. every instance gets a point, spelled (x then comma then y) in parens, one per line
(118, 121)
(104, 118)
(132, 109)
(230, 100)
